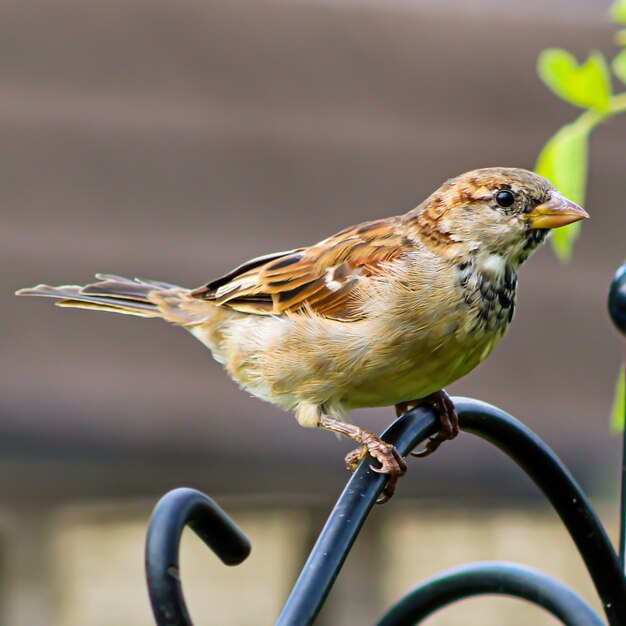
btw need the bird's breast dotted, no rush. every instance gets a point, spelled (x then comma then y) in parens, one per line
(435, 344)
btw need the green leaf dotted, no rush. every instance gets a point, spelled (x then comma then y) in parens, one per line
(619, 66)
(563, 161)
(620, 37)
(619, 403)
(618, 12)
(587, 85)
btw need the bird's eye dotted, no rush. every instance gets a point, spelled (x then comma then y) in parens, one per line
(505, 198)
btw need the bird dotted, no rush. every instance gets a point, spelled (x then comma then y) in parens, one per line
(385, 313)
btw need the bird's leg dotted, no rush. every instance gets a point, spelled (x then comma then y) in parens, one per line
(447, 415)
(390, 459)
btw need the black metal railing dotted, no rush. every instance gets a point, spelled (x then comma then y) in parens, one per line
(187, 507)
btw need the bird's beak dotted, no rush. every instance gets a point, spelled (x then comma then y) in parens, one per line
(556, 212)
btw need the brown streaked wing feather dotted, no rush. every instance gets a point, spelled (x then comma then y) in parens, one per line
(206, 290)
(322, 278)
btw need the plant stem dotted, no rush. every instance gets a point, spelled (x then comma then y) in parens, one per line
(592, 118)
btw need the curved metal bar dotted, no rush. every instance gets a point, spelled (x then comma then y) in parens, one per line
(617, 310)
(545, 469)
(339, 533)
(175, 510)
(346, 519)
(508, 579)
(617, 299)
(510, 436)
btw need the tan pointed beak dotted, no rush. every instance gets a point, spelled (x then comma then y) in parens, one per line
(556, 212)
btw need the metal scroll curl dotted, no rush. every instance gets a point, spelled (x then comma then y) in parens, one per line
(346, 519)
(491, 578)
(176, 510)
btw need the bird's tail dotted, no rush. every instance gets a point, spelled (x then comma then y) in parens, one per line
(111, 293)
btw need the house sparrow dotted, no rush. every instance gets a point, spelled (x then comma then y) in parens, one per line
(387, 312)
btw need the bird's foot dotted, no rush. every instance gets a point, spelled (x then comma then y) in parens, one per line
(391, 461)
(392, 464)
(447, 415)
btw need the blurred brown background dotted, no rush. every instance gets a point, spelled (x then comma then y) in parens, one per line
(173, 140)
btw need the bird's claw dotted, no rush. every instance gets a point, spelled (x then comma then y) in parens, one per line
(394, 467)
(391, 463)
(448, 417)
(432, 443)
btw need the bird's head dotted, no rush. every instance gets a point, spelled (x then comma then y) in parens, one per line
(493, 211)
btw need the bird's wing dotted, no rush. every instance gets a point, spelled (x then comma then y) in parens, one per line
(323, 279)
